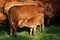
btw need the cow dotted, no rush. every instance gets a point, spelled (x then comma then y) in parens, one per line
(27, 14)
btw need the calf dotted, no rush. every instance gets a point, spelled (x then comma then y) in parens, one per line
(33, 22)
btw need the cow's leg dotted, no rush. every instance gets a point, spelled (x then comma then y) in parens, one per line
(15, 31)
(31, 31)
(14, 26)
(34, 31)
(11, 27)
(10, 31)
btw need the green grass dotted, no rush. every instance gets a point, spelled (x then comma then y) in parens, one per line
(50, 33)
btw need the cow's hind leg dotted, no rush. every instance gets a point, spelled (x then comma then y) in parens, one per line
(15, 27)
(12, 26)
(10, 31)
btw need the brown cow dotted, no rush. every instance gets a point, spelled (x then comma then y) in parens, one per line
(25, 15)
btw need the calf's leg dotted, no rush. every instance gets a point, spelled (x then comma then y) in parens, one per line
(34, 33)
(31, 29)
(42, 28)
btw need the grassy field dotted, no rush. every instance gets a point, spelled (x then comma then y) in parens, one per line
(50, 33)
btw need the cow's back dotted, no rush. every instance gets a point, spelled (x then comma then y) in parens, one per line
(24, 11)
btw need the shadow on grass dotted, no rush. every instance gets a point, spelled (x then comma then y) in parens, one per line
(23, 29)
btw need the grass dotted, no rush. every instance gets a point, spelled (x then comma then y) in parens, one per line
(50, 33)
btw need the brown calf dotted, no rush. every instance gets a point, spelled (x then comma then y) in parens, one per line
(33, 22)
